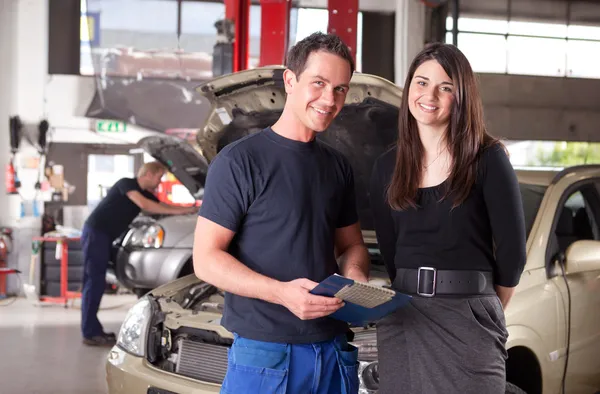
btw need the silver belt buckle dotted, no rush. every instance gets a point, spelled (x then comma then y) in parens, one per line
(423, 294)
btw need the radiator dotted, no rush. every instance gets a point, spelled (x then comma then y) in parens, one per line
(202, 361)
(366, 342)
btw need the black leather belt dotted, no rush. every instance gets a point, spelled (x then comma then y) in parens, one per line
(429, 282)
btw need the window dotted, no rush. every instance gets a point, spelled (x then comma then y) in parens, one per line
(536, 56)
(537, 29)
(102, 163)
(492, 60)
(583, 32)
(583, 59)
(118, 37)
(103, 172)
(480, 25)
(531, 196)
(305, 21)
(552, 154)
(138, 38)
(529, 48)
(198, 32)
(576, 220)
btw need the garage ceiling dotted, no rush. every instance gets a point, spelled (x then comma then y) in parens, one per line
(562, 11)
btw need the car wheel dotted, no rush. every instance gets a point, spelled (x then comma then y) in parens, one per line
(140, 292)
(512, 389)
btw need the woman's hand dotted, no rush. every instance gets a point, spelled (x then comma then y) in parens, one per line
(505, 294)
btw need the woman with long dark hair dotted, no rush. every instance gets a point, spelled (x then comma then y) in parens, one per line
(449, 222)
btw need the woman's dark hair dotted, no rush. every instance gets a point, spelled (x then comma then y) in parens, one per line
(466, 135)
(330, 43)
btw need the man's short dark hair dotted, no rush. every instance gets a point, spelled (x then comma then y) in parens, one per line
(330, 43)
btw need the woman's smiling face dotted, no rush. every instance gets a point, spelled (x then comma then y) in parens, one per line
(431, 95)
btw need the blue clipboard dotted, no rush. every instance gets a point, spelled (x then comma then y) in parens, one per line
(355, 314)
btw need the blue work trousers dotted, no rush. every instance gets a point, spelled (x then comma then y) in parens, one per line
(256, 367)
(96, 254)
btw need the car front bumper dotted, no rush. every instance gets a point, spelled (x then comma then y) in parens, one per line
(127, 374)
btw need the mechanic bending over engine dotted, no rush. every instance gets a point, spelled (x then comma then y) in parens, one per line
(111, 218)
(278, 210)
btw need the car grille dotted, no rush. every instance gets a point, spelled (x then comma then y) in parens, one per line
(208, 362)
(202, 361)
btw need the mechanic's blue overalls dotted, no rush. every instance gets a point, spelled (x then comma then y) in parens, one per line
(257, 367)
(96, 254)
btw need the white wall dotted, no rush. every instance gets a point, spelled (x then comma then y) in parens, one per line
(31, 58)
(21, 82)
(8, 104)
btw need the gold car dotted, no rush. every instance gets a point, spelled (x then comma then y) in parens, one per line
(172, 342)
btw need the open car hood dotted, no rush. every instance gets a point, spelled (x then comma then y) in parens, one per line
(181, 159)
(248, 101)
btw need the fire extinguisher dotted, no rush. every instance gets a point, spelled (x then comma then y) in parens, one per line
(5, 247)
(12, 182)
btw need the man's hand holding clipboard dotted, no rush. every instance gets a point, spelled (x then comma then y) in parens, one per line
(364, 303)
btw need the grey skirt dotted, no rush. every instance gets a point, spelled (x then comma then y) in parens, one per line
(443, 345)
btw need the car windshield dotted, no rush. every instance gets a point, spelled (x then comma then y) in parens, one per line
(532, 196)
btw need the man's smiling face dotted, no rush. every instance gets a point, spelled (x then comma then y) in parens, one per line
(319, 93)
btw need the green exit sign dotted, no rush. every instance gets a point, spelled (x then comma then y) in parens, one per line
(111, 126)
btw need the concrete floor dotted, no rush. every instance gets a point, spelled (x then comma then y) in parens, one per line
(41, 349)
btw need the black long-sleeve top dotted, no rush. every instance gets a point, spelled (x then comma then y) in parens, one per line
(486, 232)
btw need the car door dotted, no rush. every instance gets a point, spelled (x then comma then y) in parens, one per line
(577, 219)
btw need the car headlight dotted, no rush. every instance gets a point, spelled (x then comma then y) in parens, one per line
(134, 330)
(368, 374)
(145, 236)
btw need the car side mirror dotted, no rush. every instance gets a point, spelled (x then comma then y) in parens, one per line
(583, 256)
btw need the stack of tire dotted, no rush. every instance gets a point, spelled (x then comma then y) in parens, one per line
(50, 280)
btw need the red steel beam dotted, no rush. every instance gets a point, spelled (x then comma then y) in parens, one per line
(239, 12)
(343, 21)
(274, 31)
(230, 9)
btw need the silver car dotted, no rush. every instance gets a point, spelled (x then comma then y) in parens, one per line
(158, 249)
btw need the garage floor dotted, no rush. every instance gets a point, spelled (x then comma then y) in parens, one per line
(41, 349)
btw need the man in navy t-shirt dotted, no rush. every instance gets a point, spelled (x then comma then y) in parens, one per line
(278, 216)
(108, 220)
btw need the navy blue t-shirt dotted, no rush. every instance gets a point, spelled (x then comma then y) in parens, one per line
(116, 211)
(284, 199)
